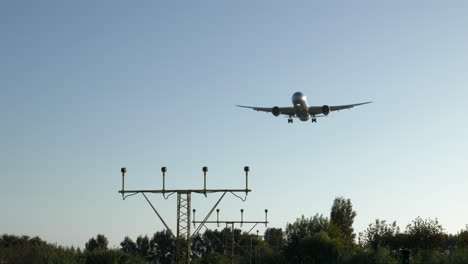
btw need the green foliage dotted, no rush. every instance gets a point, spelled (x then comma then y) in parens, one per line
(213, 258)
(361, 256)
(162, 247)
(267, 255)
(100, 242)
(159, 249)
(14, 249)
(305, 226)
(320, 248)
(315, 240)
(458, 257)
(143, 247)
(128, 246)
(342, 215)
(425, 234)
(274, 238)
(212, 241)
(102, 256)
(462, 240)
(383, 256)
(379, 234)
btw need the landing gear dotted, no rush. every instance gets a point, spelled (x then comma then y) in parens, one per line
(290, 120)
(314, 120)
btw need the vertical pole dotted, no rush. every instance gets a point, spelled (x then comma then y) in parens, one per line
(226, 238)
(205, 170)
(258, 251)
(178, 230)
(232, 245)
(250, 259)
(246, 169)
(194, 217)
(189, 202)
(242, 217)
(257, 261)
(163, 169)
(123, 170)
(246, 180)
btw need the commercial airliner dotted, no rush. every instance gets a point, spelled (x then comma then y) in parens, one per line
(301, 109)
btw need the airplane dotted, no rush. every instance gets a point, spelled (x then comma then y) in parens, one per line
(301, 109)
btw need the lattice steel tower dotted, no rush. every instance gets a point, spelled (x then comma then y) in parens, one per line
(184, 235)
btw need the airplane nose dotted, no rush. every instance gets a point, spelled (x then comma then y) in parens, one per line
(298, 97)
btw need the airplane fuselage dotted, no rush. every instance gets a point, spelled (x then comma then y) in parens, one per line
(300, 106)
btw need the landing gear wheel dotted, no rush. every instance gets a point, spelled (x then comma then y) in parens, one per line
(314, 120)
(290, 120)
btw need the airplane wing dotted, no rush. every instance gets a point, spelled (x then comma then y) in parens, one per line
(341, 107)
(318, 109)
(283, 110)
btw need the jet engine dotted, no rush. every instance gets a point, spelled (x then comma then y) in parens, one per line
(325, 109)
(275, 111)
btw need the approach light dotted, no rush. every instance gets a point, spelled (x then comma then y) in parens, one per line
(123, 170)
(205, 169)
(246, 169)
(163, 169)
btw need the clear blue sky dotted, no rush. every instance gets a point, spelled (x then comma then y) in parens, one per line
(88, 87)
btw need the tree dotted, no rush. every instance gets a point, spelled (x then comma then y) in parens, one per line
(305, 226)
(462, 239)
(319, 248)
(450, 242)
(163, 247)
(425, 234)
(342, 215)
(143, 248)
(111, 256)
(91, 244)
(100, 242)
(379, 234)
(274, 238)
(299, 230)
(317, 223)
(198, 247)
(128, 246)
(213, 241)
(227, 235)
